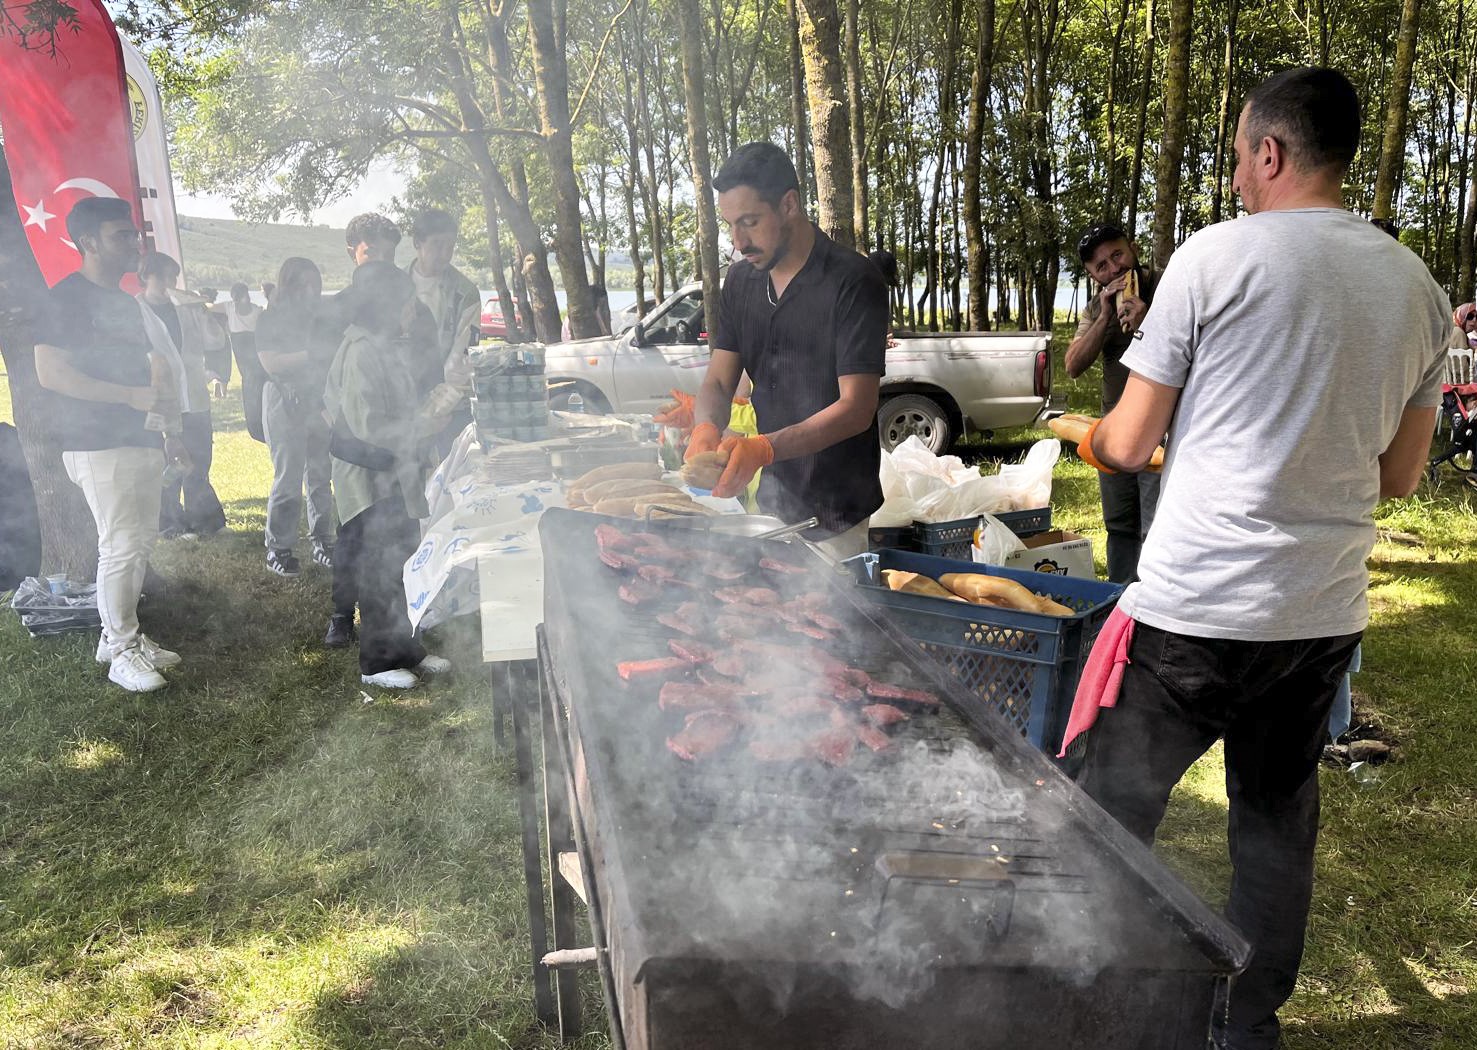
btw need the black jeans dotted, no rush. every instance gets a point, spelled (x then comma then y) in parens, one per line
(191, 505)
(379, 541)
(1128, 510)
(1270, 701)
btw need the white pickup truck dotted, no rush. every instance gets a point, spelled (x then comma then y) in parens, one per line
(938, 385)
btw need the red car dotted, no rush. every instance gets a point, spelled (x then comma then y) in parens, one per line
(491, 323)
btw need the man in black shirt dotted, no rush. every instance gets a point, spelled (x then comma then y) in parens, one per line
(1107, 330)
(807, 320)
(93, 355)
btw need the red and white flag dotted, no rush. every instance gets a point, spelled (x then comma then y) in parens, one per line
(64, 113)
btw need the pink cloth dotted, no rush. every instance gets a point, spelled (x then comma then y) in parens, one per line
(1101, 678)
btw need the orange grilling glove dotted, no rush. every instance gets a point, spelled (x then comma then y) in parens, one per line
(677, 412)
(746, 457)
(705, 438)
(1084, 449)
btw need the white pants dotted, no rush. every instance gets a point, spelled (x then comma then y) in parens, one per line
(121, 486)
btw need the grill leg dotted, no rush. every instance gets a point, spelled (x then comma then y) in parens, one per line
(516, 685)
(497, 675)
(561, 894)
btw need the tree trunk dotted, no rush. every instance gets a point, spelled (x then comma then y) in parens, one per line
(1176, 116)
(632, 181)
(551, 82)
(1110, 105)
(532, 282)
(690, 16)
(949, 59)
(1223, 125)
(650, 197)
(1466, 245)
(797, 98)
(974, 137)
(1146, 88)
(514, 332)
(1392, 149)
(853, 59)
(68, 536)
(825, 78)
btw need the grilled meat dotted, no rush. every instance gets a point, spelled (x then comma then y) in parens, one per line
(610, 538)
(784, 568)
(888, 691)
(698, 696)
(704, 733)
(834, 746)
(873, 737)
(762, 596)
(638, 591)
(824, 620)
(881, 715)
(695, 653)
(645, 670)
(616, 560)
(809, 631)
(677, 623)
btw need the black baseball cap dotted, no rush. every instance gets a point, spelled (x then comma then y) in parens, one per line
(1097, 236)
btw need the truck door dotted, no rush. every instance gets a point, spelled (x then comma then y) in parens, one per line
(672, 352)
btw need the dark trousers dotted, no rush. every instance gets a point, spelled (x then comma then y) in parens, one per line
(190, 504)
(1270, 701)
(380, 540)
(345, 580)
(1128, 511)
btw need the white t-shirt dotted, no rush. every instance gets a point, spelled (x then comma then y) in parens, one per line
(239, 322)
(1298, 339)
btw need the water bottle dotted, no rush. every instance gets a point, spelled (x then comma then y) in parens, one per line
(576, 404)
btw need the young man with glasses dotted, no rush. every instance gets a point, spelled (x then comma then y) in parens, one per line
(1106, 331)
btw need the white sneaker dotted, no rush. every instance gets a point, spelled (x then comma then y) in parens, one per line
(394, 678)
(158, 656)
(433, 665)
(131, 669)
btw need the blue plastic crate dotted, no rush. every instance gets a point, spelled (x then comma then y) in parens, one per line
(1023, 665)
(900, 537)
(955, 539)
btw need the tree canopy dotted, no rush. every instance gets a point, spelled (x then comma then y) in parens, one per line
(973, 138)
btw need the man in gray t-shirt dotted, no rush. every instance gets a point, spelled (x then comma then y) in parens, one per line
(1294, 356)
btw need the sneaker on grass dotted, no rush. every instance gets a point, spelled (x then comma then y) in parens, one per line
(158, 656)
(284, 563)
(394, 678)
(131, 670)
(323, 555)
(433, 665)
(341, 632)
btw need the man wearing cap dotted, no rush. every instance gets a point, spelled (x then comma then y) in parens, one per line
(1107, 330)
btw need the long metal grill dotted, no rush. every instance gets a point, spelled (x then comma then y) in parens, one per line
(952, 890)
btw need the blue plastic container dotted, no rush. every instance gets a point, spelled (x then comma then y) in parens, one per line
(1023, 665)
(955, 539)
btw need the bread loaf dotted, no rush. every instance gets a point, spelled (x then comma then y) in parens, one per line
(916, 583)
(621, 487)
(704, 469)
(640, 470)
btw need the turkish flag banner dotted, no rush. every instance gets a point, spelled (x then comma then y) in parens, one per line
(65, 116)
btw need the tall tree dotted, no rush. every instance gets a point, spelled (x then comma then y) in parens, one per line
(855, 103)
(1172, 141)
(825, 79)
(1146, 89)
(551, 80)
(1223, 128)
(799, 123)
(974, 137)
(691, 18)
(1397, 106)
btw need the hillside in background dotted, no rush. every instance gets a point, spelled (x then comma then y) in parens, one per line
(219, 252)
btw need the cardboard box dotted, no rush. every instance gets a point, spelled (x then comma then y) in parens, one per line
(1056, 551)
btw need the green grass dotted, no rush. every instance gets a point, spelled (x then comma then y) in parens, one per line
(257, 857)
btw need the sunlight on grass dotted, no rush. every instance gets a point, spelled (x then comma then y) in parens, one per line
(91, 754)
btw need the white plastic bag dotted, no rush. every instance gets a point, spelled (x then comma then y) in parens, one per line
(994, 541)
(919, 486)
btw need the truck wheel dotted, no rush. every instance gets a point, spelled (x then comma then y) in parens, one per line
(909, 414)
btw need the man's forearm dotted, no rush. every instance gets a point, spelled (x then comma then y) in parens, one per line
(1084, 350)
(833, 424)
(714, 403)
(57, 374)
